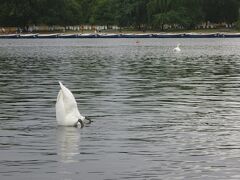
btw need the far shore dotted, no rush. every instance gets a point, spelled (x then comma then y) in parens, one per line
(126, 31)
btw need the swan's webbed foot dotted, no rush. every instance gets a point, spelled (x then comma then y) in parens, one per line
(88, 120)
(77, 123)
(81, 122)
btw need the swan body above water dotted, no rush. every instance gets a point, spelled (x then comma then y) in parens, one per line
(177, 49)
(67, 113)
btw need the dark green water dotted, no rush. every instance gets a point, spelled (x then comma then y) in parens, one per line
(157, 114)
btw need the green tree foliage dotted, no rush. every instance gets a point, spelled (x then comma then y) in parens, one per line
(124, 12)
(103, 12)
(140, 14)
(191, 13)
(221, 10)
(16, 13)
(162, 12)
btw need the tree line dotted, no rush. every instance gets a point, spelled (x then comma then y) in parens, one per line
(139, 14)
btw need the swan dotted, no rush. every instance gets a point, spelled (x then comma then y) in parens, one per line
(177, 49)
(67, 113)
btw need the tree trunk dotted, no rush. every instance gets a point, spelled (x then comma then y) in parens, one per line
(162, 27)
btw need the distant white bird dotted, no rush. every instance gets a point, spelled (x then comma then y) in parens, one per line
(67, 113)
(177, 49)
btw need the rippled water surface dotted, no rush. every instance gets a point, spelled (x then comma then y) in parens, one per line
(157, 114)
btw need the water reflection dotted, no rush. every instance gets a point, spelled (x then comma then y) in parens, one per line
(68, 139)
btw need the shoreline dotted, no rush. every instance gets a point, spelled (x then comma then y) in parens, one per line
(122, 35)
(129, 31)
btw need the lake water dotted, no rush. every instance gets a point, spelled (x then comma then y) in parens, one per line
(157, 114)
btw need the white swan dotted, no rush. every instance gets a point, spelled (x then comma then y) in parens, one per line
(177, 49)
(67, 113)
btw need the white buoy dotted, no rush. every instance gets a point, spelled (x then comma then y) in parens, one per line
(177, 49)
(67, 113)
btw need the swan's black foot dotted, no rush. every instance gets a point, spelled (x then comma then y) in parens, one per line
(88, 120)
(81, 123)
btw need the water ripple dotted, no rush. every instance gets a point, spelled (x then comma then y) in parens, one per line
(157, 115)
